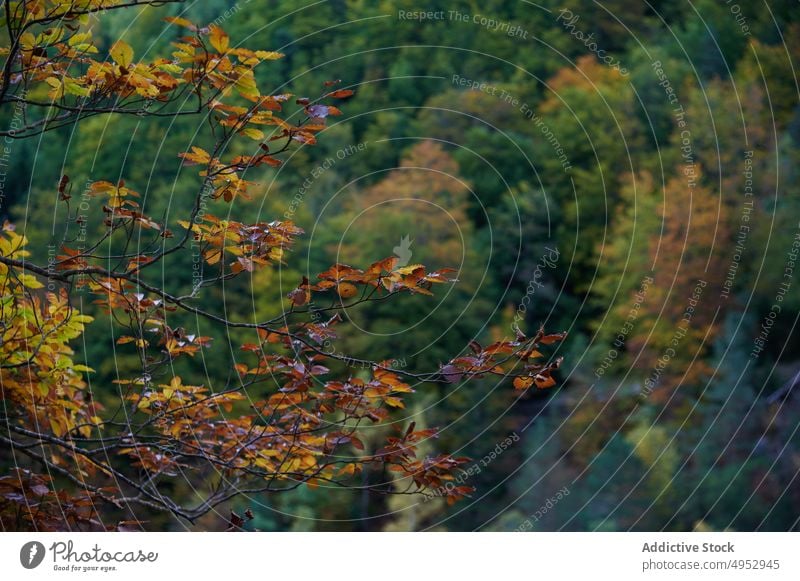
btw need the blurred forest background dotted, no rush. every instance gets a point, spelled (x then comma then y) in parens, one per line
(637, 188)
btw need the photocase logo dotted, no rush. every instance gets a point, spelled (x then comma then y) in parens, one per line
(403, 251)
(31, 554)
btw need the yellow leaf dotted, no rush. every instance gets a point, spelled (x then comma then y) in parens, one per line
(58, 88)
(394, 402)
(253, 133)
(347, 469)
(75, 88)
(27, 41)
(148, 91)
(178, 21)
(246, 85)
(218, 38)
(197, 155)
(408, 269)
(122, 53)
(170, 68)
(80, 38)
(86, 47)
(56, 427)
(30, 281)
(50, 36)
(269, 55)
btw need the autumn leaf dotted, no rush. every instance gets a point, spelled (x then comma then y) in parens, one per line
(269, 55)
(301, 295)
(218, 38)
(341, 94)
(544, 381)
(554, 338)
(288, 412)
(196, 156)
(178, 21)
(346, 290)
(523, 382)
(122, 53)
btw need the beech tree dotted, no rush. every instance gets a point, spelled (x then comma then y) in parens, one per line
(283, 420)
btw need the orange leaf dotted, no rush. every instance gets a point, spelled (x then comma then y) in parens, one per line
(523, 382)
(347, 290)
(219, 38)
(544, 381)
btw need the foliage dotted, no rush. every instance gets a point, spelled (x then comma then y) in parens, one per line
(168, 186)
(281, 420)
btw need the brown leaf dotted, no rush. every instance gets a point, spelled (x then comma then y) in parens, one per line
(451, 373)
(341, 94)
(236, 522)
(554, 338)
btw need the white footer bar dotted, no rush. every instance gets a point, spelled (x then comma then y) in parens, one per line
(400, 556)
